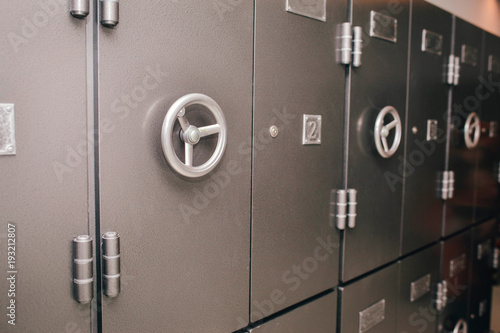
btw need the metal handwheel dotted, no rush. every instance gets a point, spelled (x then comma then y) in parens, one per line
(472, 130)
(460, 327)
(192, 135)
(383, 130)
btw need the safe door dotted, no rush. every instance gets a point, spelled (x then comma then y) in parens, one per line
(464, 126)
(375, 161)
(45, 154)
(488, 166)
(297, 152)
(370, 304)
(175, 106)
(455, 263)
(484, 262)
(426, 123)
(419, 300)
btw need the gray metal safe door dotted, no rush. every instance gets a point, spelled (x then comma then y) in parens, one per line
(185, 239)
(298, 138)
(465, 127)
(427, 120)
(371, 304)
(419, 276)
(487, 202)
(377, 115)
(43, 165)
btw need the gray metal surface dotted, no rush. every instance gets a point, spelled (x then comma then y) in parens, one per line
(184, 242)
(294, 249)
(487, 185)
(460, 209)
(319, 316)
(418, 315)
(44, 186)
(427, 100)
(481, 276)
(379, 82)
(452, 250)
(364, 297)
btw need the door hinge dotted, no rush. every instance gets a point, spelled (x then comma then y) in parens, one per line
(343, 205)
(79, 8)
(446, 185)
(349, 44)
(497, 172)
(440, 296)
(453, 70)
(495, 257)
(111, 264)
(83, 269)
(110, 13)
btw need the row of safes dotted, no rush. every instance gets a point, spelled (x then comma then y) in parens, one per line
(444, 288)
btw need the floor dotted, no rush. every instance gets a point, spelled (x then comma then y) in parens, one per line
(495, 311)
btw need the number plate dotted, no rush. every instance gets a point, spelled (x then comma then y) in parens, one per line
(315, 9)
(432, 42)
(470, 55)
(494, 64)
(420, 287)
(432, 130)
(7, 130)
(383, 27)
(372, 316)
(311, 132)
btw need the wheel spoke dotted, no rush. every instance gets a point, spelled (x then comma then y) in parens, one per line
(188, 157)
(183, 121)
(209, 130)
(392, 124)
(384, 144)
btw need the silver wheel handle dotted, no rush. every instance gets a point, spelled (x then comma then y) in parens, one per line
(383, 130)
(460, 327)
(472, 130)
(192, 135)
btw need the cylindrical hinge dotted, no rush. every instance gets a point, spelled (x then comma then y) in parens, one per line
(352, 202)
(443, 185)
(111, 264)
(495, 258)
(456, 72)
(79, 8)
(451, 184)
(344, 43)
(450, 70)
(110, 10)
(83, 272)
(357, 46)
(341, 203)
(497, 172)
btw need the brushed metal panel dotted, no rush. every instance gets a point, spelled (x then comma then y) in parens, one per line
(364, 294)
(184, 242)
(418, 316)
(319, 316)
(487, 202)
(44, 186)
(379, 82)
(427, 99)
(481, 272)
(460, 209)
(459, 285)
(294, 249)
